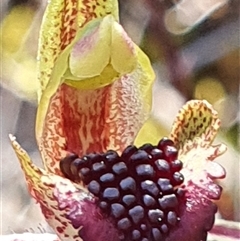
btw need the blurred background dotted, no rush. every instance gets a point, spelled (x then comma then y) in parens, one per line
(194, 49)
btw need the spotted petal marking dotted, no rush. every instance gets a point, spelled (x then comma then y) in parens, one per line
(196, 119)
(67, 207)
(41, 187)
(193, 132)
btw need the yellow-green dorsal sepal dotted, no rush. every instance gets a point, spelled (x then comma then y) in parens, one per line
(103, 53)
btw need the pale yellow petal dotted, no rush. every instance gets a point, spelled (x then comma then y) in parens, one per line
(54, 195)
(193, 132)
(196, 119)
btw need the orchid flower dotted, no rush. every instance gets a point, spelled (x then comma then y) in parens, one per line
(95, 96)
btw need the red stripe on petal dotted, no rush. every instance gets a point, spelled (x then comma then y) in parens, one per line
(84, 115)
(82, 121)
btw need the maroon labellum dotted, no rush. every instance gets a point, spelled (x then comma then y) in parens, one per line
(140, 193)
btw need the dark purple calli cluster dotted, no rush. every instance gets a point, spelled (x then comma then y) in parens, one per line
(139, 191)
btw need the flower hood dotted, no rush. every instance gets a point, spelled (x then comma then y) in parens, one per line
(89, 69)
